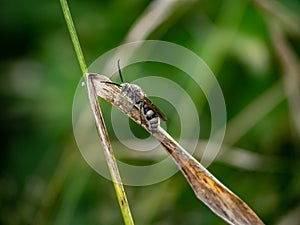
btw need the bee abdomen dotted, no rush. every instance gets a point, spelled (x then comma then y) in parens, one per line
(153, 124)
(152, 119)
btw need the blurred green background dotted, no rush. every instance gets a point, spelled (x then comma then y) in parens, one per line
(251, 46)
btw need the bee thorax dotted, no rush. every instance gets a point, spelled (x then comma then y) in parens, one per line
(133, 92)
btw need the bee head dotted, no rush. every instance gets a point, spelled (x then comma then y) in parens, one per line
(125, 87)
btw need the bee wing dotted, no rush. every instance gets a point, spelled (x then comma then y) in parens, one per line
(155, 109)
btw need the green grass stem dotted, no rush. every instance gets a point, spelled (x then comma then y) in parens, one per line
(74, 37)
(120, 192)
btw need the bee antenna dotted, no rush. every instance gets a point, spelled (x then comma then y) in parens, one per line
(108, 82)
(120, 73)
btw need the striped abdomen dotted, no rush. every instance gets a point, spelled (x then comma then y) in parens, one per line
(151, 117)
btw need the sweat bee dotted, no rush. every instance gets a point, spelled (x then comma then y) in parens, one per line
(148, 111)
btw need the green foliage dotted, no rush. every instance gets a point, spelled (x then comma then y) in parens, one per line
(43, 177)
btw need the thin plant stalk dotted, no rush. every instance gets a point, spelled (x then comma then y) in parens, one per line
(74, 37)
(102, 132)
(111, 162)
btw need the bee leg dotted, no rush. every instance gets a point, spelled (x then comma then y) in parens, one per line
(141, 108)
(139, 103)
